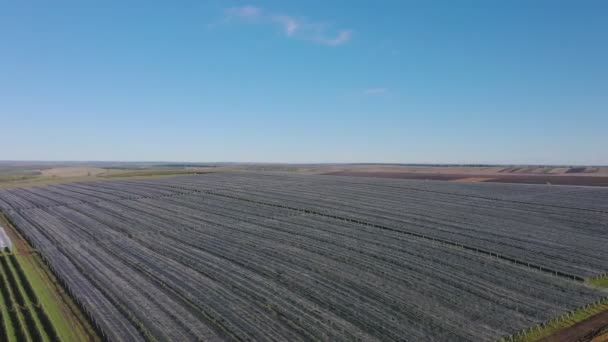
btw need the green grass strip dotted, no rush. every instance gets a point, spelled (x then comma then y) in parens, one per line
(13, 307)
(565, 320)
(38, 331)
(54, 322)
(32, 323)
(8, 333)
(3, 328)
(29, 291)
(49, 328)
(38, 316)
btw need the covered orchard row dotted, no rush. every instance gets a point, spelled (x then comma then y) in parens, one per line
(236, 256)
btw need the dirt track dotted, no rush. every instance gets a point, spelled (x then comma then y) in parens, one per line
(507, 178)
(582, 331)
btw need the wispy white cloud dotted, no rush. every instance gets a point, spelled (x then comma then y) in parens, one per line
(290, 25)
(293, 27)
(247, 12)
(375, 91)
(342, 37)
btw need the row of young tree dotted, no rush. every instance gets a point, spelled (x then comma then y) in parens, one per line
(20, 297)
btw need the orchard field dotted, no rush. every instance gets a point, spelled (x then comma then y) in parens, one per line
(273, 256)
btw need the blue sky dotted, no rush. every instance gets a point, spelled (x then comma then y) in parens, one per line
(305, 81)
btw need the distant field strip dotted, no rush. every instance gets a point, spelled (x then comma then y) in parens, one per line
(243, 256)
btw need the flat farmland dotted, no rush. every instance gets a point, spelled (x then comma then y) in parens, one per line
(254, 256)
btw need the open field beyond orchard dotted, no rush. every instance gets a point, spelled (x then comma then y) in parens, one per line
(254, 256)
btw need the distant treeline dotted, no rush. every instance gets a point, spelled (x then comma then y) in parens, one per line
(184, 165)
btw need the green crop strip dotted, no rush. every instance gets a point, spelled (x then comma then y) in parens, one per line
(8, 331)
(22, 317)
(13, 303)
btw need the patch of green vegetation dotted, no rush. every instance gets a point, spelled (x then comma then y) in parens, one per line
(41, 180)
(48, 300)
(16, 178)
(600, 281)
(8, 332)
(27, 296)
(15, 302)
(40, 324)
(49, 180)
(566, 320)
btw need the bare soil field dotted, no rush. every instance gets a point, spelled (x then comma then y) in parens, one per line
(559, 180)
(498, 178)
(470, 170)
